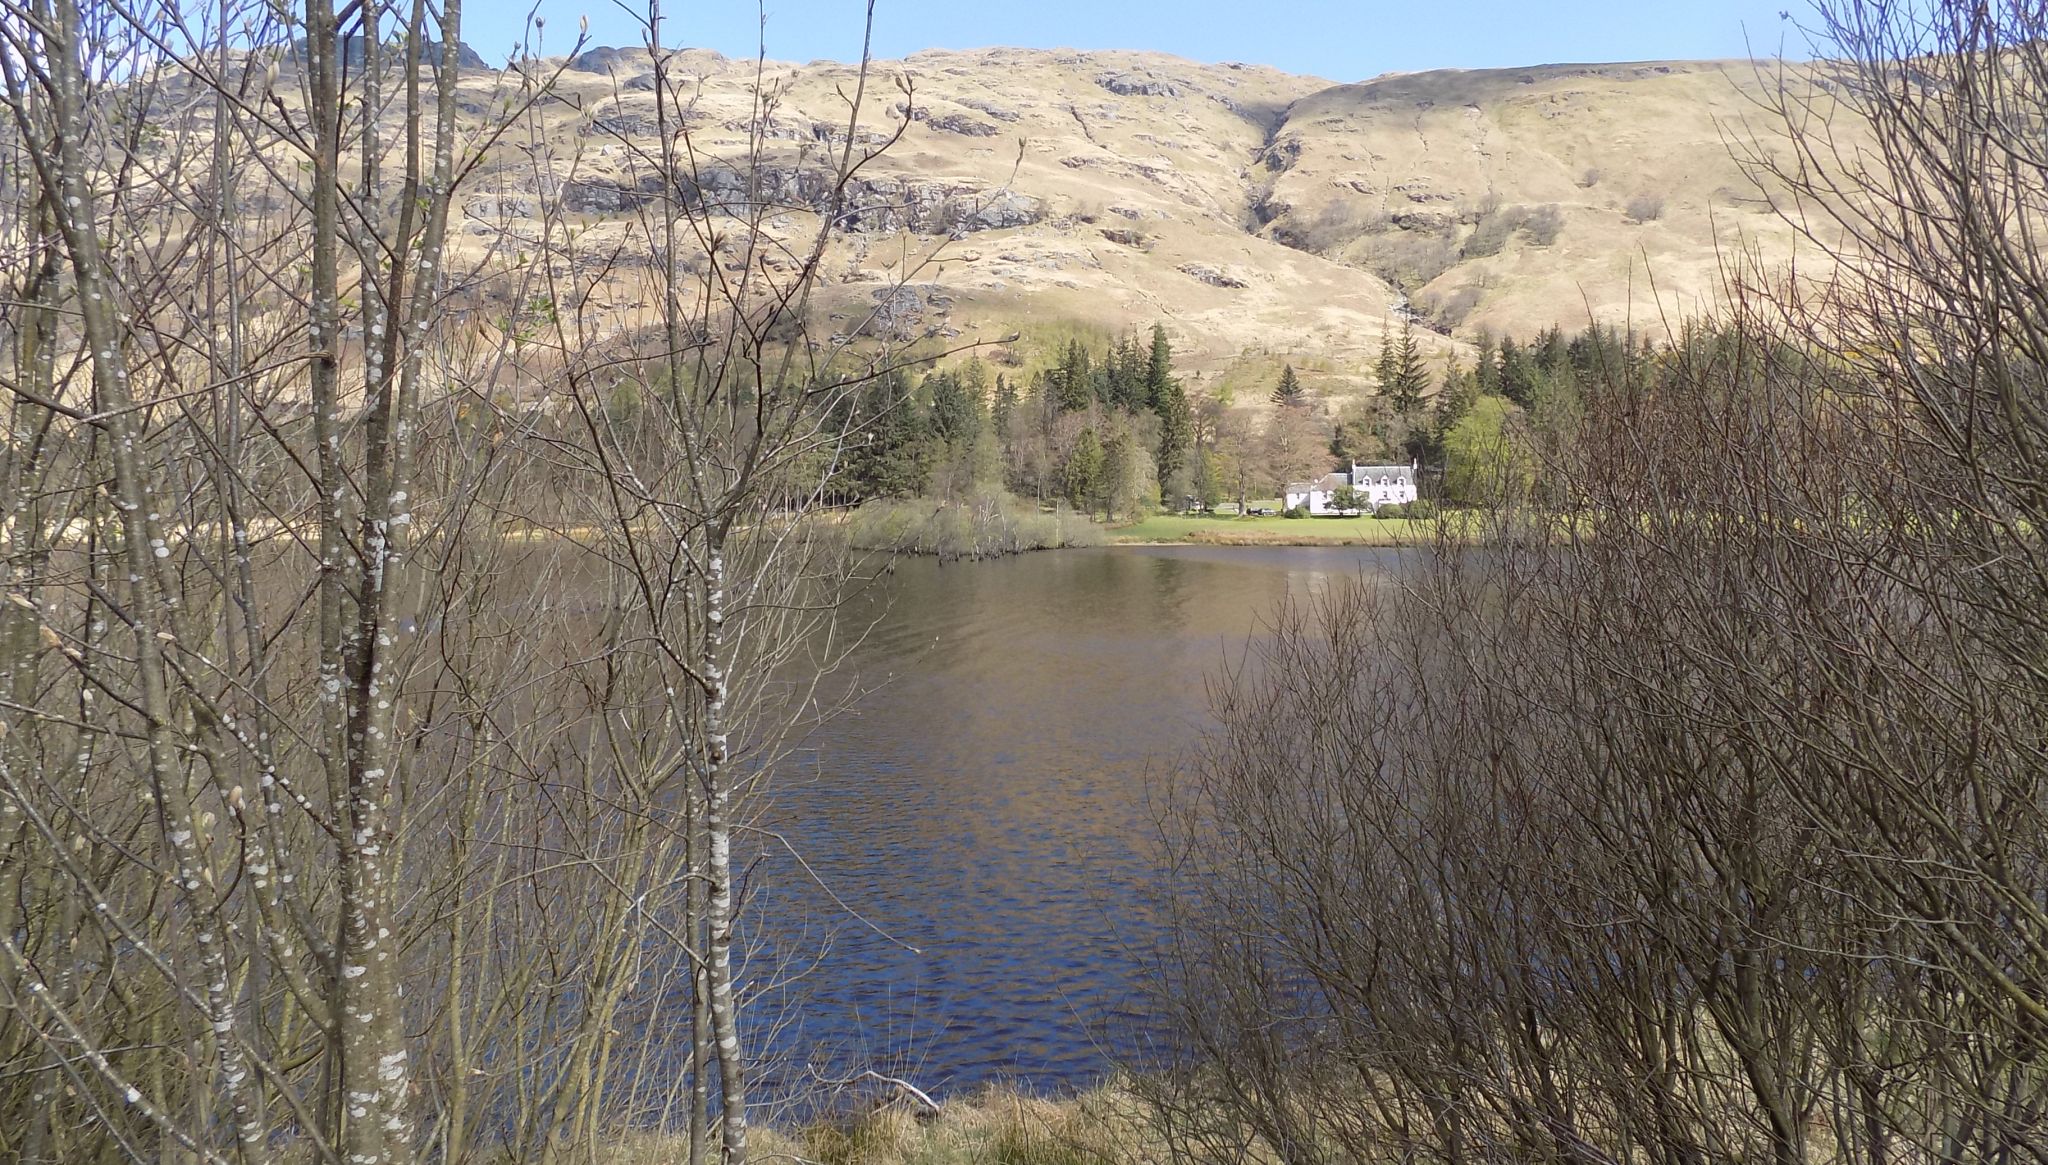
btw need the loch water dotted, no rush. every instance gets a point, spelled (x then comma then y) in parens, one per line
(964, 893)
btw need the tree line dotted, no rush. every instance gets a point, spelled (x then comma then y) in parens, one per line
(1103, 431)
(1114, 431)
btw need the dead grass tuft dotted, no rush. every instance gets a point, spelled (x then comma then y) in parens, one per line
(998, 1126)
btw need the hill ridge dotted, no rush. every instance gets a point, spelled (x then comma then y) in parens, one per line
(1261, 215)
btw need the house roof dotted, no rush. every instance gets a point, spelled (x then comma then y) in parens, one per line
(1332, 482)
(1329, 482)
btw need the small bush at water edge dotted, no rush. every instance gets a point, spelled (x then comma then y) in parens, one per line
(989, 524)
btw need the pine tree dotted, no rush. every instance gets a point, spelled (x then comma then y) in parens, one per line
(1550, 351)
(1074, 380)
(1407, 378)
(1288, 393)
(956, 410)
(1084, 471)
(974, 378)
(1159, 370)
(1517, 373)
(1599, 352)
(1176, 433)
(1460, 390)
(1005, 407)
(1126, 376)
(891, 456)
(1485, 369)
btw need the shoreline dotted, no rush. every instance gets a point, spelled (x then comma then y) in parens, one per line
(1254, 543)
(1180, 530)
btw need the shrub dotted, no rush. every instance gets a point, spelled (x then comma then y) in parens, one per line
(1390, 510)
(1295, 512)
(1543, 224)
(1407, 259)
(987, 525)
(1421, 509)
(1645, 208)
(1446, 310)
(1496, 226)
(1328, 232)
(1491, 233)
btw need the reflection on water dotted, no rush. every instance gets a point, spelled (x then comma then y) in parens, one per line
(982, 808)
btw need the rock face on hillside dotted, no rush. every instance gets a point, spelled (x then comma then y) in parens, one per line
(879, 204)
(466, 58)
(1247, 208)
(1519, 197)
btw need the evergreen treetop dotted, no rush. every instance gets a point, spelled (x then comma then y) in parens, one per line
(1404, 378)
(1288, 393)
(1158, 367)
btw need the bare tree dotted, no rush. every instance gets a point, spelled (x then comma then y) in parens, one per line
(1687, 807)
(387, 682)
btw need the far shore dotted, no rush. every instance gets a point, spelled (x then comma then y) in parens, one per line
(1199, 530)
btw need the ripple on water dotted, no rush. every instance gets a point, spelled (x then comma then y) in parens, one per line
(983, 804)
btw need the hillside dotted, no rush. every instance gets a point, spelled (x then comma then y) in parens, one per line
(1262, 216)
(1633, 165)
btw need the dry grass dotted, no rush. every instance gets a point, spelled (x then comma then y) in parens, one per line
(997, 1126)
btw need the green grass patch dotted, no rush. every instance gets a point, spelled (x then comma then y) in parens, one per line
(1227, 531)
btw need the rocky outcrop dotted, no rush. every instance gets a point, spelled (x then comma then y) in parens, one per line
(610, 60)
(932, 206)
(1000, 113)
(1421, 192)
(873, 204)
(963, 125)
(493, 208)
(1213, 276)
(1282, 154)
(908, 310)
(1438, 221)
(352, 53)
(612, 121)
(608, 196)
(1137, 83)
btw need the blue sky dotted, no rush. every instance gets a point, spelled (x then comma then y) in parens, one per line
(1344, 40)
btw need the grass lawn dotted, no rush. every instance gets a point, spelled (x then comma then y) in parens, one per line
(1228, 531)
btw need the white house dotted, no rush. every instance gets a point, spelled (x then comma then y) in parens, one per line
(1376, 485)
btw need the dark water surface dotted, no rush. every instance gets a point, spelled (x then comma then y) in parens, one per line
(985, 805)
